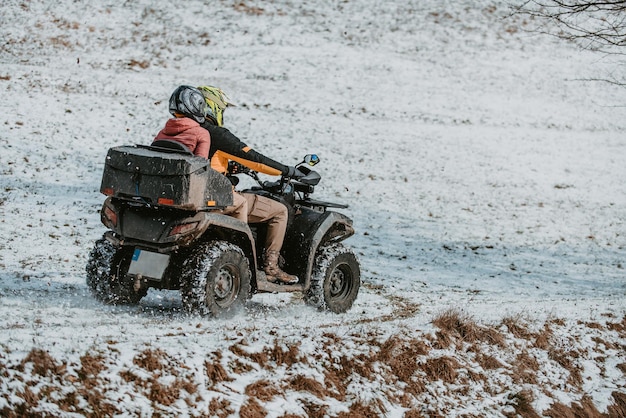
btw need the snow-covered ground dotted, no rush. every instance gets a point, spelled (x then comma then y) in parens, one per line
(485, 175)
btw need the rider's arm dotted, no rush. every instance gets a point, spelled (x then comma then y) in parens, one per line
(232, 148)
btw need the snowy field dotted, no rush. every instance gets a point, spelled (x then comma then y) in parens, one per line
(485, 174)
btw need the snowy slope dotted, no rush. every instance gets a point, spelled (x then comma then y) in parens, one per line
(484, 173)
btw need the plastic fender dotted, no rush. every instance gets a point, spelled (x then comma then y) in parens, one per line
(234, 231)
(309, 230)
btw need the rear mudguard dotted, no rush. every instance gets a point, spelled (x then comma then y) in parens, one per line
(147, 228)
(309, 230)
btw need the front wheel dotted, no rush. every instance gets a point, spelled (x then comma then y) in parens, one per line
(215, 280)
(335, 280)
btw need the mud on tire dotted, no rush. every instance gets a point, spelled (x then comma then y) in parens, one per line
(215, 280)
(335, 280)
(105, 266)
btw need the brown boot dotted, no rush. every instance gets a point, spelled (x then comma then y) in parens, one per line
(273, 272)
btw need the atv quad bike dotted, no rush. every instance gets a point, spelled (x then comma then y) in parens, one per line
(166, 232)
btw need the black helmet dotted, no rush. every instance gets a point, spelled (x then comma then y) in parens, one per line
(189, 101)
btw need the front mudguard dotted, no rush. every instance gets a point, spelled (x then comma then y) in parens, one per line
(309, 230)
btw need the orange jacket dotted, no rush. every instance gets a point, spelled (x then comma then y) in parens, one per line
(226, 146)
(189, 133)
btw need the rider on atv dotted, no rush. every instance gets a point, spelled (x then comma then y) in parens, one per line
(225, 146)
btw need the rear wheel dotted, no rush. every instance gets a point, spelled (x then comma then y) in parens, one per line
(335, 280)
(106, 274)
(215, 280)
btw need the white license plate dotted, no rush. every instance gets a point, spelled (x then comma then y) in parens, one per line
(148, 264)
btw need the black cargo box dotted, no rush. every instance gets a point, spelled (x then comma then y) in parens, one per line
(146, 175)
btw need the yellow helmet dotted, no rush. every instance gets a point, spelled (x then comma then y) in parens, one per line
(218, 101)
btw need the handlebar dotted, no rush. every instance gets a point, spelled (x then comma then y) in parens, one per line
(300, 181)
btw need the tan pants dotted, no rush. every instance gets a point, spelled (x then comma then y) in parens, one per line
(252, 208)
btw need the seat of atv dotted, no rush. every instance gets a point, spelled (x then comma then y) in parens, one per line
(166, 145)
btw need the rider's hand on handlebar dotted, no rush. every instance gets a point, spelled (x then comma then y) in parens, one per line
(235, 168)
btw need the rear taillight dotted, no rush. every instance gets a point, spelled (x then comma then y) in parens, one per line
(165, 201)
(183, 228)
(108, 191)
(110, 215)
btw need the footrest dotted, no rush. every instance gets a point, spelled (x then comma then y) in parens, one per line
(263, 285)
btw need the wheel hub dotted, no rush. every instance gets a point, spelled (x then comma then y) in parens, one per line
(337, 282)
(223, 284)
(226, 285)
